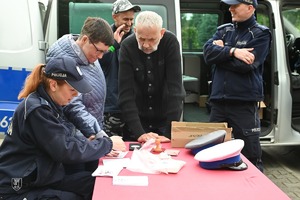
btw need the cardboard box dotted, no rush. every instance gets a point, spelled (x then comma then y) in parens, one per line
(203, 100)
(184, 132)
(261, 109)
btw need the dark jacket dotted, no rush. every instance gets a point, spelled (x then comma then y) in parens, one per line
(39, 142)
(233, 79)
(110, 66)
(150, 85)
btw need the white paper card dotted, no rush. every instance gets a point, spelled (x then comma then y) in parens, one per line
(107, 171)
(130, 180)
(121, 154)
(116, 162)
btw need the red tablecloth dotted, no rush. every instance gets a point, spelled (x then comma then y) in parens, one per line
(193, 182)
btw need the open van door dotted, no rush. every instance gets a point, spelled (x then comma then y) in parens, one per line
(21, 48)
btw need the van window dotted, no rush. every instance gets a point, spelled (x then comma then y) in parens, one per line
(291, 19)
(196, 29)
(262, 15)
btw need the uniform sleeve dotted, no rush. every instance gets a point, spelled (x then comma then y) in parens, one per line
(214, 54)
(57, 141)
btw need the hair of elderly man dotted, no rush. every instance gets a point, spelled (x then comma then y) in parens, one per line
(148, 18)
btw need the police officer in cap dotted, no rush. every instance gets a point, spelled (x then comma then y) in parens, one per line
(40, 138)
(237, 52)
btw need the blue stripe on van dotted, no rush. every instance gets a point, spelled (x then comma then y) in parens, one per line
(11, 81)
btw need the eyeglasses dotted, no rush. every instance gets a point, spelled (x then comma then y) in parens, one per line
(97, 50)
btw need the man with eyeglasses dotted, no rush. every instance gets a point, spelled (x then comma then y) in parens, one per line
(123, 15)
(86, 110)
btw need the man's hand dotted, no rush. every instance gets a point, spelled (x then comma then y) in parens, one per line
(245, 55)
(147, 136)
(219, 43)
(119, 33)
(92, 137)
(164, 139)
(113, 154)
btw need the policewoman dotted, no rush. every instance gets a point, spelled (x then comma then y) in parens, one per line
(40, 139)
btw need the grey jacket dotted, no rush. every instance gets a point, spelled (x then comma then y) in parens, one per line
(86, 110)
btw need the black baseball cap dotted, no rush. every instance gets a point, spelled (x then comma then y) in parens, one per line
(65, 68)
(234, 2)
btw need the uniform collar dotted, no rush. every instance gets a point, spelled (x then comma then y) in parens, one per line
(245, 24)
(41, 90)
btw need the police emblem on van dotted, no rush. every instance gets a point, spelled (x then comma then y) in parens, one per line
(16, 183)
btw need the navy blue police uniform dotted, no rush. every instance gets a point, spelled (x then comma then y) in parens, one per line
(237, 87)
(39, 141)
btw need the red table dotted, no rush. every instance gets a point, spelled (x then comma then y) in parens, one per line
(193, 182)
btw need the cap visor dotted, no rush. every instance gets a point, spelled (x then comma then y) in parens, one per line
(81, 86)
(231, 2)
(136, 8)
(241, 167)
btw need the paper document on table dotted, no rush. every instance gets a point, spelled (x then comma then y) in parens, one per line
(130, 180)
(107, 170)
(116, 162)
(121, 154)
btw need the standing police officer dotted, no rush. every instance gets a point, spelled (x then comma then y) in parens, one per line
(237, 51)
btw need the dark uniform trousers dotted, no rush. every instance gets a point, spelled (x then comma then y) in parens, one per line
(243, 118)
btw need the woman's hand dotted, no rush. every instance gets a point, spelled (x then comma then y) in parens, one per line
(118, 143)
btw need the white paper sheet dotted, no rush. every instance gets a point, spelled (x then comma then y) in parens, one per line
(130, 180)
(107, 170)
(116, 162)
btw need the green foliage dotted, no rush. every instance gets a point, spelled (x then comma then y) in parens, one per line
(196, 29)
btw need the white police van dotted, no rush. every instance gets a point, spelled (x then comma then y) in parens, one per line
(29, 27)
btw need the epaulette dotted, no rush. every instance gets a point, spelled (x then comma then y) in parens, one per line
(261, 27)
(258, 28)
(226, 26)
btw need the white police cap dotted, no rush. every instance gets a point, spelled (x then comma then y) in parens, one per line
(224, 155)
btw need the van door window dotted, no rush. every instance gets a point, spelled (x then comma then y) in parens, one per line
(196, 29)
